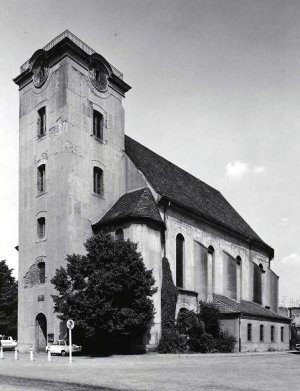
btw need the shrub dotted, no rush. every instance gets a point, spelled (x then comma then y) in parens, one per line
(225, 343)
(172, 342)
(204, 344)
(168, 297)
(210, 316)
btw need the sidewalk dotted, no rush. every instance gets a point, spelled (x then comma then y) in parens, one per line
(256, 371)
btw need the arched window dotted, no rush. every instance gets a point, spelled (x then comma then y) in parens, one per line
(119, 234)
(179, 260)
(98, 181)
(42, 276)
(41, 178)
(210, 272)
(41, 228)
(97, 125)
(41, 122)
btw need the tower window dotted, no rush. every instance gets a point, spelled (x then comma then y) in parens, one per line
(272, 333)
(41, 225)
(42, 276)
(97, 125)
(179, 260)
(98, 180)
(261, 333)
(249, 332)
(119, 234)
(41, 180)
(41, 122)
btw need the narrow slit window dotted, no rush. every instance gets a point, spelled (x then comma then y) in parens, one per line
(282, 334)
(97, 125)
(249, 332)
(41, 178)
(41, 227)
(261, 333)
(272, 333)
(98, 181)
(41, 122)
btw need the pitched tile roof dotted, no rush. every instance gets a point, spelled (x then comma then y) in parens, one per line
(188, 192)
(138, 204)
(227, 305)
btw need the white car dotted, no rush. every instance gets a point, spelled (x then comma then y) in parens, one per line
(7, 343)
(62, 347)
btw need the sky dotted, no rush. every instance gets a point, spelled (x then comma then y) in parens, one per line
(215, 90)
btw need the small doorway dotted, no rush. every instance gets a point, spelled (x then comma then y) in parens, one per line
(40, 332)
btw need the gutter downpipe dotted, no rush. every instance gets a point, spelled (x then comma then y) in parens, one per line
(240, 342)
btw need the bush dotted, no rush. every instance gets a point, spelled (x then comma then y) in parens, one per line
(210, 316)
(172, 342)
(204, 344)
(225, 343)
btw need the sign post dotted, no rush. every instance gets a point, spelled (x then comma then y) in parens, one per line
(70, 325)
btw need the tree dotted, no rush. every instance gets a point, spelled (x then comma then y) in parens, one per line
(8, 301)
(107, 292)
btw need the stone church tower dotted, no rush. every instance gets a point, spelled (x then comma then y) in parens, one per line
(72, 169)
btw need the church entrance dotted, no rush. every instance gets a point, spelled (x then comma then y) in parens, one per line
(40, 332)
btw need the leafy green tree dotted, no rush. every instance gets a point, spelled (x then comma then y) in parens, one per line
(8, 301)
(107, 292)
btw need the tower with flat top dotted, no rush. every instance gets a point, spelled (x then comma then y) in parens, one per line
(72, 169)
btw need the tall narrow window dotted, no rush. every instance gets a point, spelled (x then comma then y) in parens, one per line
(42, 277)
(41, 171)
(41, 225)
(41, 122)
(98, 125)
(98, 180)
(281, 334)
(272, 333)
(119, 234)
(249, 332)
(179, 260)
(261, 333)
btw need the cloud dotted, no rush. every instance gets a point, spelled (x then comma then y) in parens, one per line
(291, 259)
(237, 169)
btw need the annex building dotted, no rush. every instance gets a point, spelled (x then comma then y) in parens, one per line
(79, 173)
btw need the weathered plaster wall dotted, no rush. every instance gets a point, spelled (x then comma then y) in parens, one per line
(229, 279)
(69, 152)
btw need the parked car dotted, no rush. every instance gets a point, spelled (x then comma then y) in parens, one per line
(297, 347)
(62, 347)
(7, 343)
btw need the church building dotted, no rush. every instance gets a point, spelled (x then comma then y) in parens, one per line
(80, 174)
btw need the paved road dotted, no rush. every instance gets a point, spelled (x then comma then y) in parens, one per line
(9, 383)
(154, 372)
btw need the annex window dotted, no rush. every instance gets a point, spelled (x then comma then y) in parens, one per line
(282, 334)
(119, 234)
(41, 122)
(179, 260)
(41, 225)
(261, 333)
(98, 181)
(249, 332)
(97, 125)
(41, 178)
(272, 333)
(42, 276)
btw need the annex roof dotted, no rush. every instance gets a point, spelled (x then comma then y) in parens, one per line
(138, 204)
(244, 307)
(189, 192)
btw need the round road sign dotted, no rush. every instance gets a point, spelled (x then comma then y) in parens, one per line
(70, 324)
